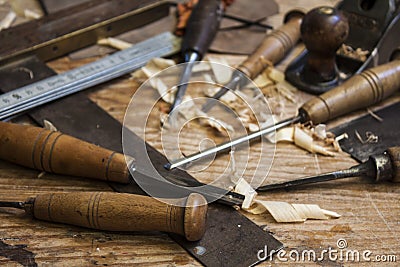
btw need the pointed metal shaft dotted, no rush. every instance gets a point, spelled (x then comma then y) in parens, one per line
(366, 169)
(9, 204)
(229, 145)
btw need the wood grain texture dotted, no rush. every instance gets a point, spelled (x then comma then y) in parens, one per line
(55, 152)
(370, 212)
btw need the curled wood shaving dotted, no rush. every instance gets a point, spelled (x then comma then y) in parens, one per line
(370, 137)
(114, 43)
(222, 74)
(314, 141)
(8, 20)
(374, 115)
(32, 14)
(357, 54)
(49, 126)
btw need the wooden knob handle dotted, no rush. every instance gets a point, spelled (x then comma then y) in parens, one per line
(394, 154)
(360, 91)
(274, 47)
(55, 152)
(123, 212)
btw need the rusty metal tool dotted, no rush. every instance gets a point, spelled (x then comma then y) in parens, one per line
(200, 31)
(111, 211)
(272, 49)
(360, 91)
(55, 152)
(381, 167)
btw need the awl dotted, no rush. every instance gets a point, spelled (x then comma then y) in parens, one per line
(55, 152)
(383, 167)
(273, 48)
(360, 91)
(120, 212)
(202, 26)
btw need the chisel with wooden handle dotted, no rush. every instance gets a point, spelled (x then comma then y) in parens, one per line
(274, 48)
(120, 212)
(360, 91)
(382, 167)
(55, 152)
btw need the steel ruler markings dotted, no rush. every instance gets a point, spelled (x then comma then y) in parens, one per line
(89, 75)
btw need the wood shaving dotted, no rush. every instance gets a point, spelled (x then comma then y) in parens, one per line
(357, 54)
(307, 138)
(280, 211)
(222, 74)
(49, 126)
(32, 14)
(284, 212)
(370, 137)
(30, 73)
(8, 20)
(374, 115)
(114, 43)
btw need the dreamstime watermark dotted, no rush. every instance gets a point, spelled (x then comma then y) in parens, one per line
(341, 253)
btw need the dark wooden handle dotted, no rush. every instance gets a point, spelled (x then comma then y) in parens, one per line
(394, 154)
(123, 212)
(274, 47)
(360, 91)
(202, 26)
(55, 152)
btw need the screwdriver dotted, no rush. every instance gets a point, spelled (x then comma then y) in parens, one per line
(383, 167)
(55, 152)
(200, 31)
(120, 212)
(360, 91)
(272, 49)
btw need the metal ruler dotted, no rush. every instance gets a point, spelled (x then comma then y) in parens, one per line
(89, 75)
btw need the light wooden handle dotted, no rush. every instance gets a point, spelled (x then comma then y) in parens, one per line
(55, 152)
(123, 212)
(360, 91)
(274, 47)
(394, 154)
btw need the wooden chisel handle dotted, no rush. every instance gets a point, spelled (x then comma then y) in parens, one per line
(122, 212)
(360, 91)
(275, 46)
(55, 152)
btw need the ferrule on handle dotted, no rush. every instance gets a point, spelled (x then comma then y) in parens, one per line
(54, 152)
(123, 212)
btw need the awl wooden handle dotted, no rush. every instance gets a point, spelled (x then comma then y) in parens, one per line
(360, 91)
(123, 212)
(55, 152)
(275, 46)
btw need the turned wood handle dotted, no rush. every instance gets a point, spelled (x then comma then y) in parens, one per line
(274, 47)
(394, 154)
(123, 212)
(55, 152)
(360, 91)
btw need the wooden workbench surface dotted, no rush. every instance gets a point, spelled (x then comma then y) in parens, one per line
(370, 213)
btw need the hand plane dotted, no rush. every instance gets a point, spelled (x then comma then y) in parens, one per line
(334, 53)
